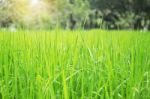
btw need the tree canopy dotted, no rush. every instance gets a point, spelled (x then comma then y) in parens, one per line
(49, 14)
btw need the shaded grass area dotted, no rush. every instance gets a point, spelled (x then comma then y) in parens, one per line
(74, 65)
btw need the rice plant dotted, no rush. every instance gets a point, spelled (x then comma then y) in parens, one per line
(78, 64)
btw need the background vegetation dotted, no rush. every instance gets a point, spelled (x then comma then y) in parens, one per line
(73, 14)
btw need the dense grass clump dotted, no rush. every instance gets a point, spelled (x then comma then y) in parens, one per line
(75, 65)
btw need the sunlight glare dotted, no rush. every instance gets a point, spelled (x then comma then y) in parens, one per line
(34, 2)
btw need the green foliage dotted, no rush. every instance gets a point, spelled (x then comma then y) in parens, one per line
(74, 65)
(126, 20)
(78, 8)
(49, 14)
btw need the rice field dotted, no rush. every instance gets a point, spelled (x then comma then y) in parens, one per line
(58, 64)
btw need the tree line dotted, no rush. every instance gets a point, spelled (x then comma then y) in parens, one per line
(74, 14)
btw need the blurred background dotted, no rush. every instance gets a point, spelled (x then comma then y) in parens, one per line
(75, 14)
